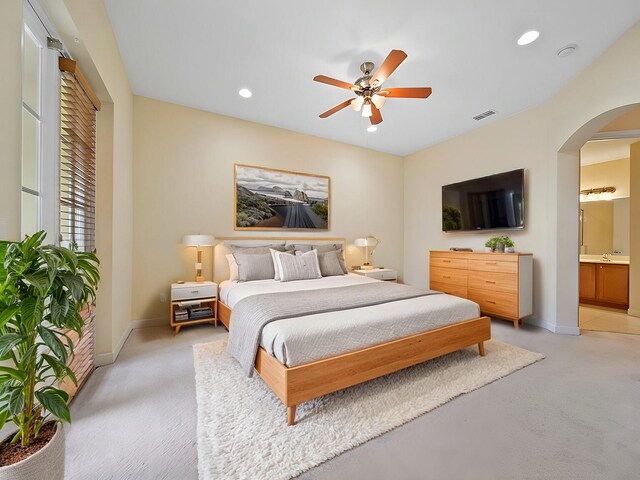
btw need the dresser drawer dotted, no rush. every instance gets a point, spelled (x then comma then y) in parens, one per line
(502, 282)
(193, 291)
(493, 266)
(450, 276)
(493, 257)
(500, 304)
(457, 290)
(448, 262)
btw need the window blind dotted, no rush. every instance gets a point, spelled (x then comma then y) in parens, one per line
(77, 158)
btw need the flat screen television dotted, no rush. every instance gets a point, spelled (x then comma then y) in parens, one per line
(495, 202)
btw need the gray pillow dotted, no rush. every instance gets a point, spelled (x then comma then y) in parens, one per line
(324, 248)
(330, 264)
(254, 266)
(255, 250)
(302, 266)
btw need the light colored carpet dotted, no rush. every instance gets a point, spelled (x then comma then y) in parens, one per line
(242, 431)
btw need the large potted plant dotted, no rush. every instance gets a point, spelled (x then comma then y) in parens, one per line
(42, 289)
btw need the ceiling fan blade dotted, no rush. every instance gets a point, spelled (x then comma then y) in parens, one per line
(335, 109)
(333, 81)
(393, 60)
(376, 116)
(408, 92)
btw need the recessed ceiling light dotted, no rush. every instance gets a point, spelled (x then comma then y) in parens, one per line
(372, 128)
(528, 37)
(567, 50)
(245, 93)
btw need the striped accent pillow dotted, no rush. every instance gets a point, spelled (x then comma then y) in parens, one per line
(302, 266)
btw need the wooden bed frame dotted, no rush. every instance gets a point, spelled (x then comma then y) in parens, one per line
(298, 384)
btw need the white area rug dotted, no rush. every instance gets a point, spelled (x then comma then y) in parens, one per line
(242, 428)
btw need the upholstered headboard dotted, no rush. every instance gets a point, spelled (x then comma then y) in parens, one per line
(220, 250)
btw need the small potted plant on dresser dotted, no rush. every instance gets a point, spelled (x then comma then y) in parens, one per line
(500, 244)
(42, 288)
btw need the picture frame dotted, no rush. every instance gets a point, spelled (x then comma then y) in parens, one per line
(274, 199)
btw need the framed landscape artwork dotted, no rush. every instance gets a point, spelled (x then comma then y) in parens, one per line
(270, 199)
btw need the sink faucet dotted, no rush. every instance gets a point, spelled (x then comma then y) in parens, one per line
(605, 257)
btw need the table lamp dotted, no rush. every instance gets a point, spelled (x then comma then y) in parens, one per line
(367, 242)
(198, 241)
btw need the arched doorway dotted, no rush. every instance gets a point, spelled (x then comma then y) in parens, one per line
(568, 206)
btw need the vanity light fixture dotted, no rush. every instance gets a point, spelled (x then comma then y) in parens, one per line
(600, 193)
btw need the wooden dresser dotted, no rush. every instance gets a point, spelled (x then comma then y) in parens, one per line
(501, 283)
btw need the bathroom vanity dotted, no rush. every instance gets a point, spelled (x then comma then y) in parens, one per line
(604, 282)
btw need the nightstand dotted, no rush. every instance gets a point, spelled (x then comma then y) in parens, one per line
(189, 301)
(386, 274)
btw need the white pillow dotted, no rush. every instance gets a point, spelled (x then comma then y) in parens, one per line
(276, 264)
(303, 266)
(233, 267)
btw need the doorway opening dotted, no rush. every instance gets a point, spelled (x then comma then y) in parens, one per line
(604, 219)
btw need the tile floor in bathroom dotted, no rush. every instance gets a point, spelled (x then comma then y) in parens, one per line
(602, 319)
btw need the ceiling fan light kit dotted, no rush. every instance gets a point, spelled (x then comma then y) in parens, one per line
(370, 96)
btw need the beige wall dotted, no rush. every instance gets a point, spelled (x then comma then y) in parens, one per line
(183, 177)
(545, 140)
(628, 121)
(10, 116)
(607, 174)
(634, 232)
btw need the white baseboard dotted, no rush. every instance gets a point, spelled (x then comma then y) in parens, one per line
(633, 312)
(103, 359)
(150, 322)
(552, 327)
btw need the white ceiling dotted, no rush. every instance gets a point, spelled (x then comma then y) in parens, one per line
(199, 53)
(605, 150)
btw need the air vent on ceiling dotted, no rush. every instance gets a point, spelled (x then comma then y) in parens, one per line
(486, 114)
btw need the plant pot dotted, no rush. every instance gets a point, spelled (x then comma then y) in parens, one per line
(500, 247)
(510, 250)
(47, 463)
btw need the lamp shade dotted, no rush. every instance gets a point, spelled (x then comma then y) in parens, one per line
(198, 240)
(366, 242)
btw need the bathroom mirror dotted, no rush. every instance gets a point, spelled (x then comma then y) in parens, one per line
(604, 227)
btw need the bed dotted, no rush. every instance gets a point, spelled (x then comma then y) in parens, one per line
(315, 354)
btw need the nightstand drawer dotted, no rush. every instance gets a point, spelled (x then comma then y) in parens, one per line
(451, 276)
(384, 275)
(193, 290)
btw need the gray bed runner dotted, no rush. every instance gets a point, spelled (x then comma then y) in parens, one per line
(251, 314)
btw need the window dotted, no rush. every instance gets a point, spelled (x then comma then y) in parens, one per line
(78, 105)
(40, 100)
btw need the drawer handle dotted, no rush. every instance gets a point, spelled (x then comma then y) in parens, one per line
(491, 301)
(490, 281)
(446, 276)
(446, 261)
(195, 291)
(491, 263)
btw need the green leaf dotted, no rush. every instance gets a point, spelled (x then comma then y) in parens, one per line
(15, 373)
(9, 341)
(59, 308)
(16, 401)
(31, 310)
(38, 280)
(75, 285)
(4, 414)
(7, 314)
(52, 341)
(55, 401)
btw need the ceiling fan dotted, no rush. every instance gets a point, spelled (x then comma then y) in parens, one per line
(370, 96)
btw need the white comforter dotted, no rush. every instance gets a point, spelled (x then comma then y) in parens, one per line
(300, 340)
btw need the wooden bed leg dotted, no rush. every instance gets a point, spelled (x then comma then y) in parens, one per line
(291, 415)
(481, 348)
